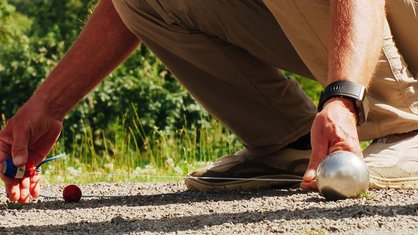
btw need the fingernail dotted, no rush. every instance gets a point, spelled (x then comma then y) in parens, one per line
(310, 174)
(19, 160)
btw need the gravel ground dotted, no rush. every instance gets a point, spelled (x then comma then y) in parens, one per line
(167, 208)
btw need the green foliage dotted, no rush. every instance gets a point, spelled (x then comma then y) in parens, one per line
(62, 19)
(162, 157)
(15, 59)
(13, 25)
(25, 59)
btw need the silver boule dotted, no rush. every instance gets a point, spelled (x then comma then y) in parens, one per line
(342, 175)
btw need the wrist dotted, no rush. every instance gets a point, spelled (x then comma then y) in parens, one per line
(345, 103)
(347, 90)
(47, 106)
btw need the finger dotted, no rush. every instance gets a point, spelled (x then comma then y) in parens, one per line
(12, 188)
(5, 148)
(20, 149)
(319, 151)
(24, 190)
(309, 179)
(13, 192)
(35, 187)
(309, 185)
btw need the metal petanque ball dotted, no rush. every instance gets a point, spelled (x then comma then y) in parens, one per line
(342, 175)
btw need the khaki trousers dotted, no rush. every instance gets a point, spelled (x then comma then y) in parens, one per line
(227, 54)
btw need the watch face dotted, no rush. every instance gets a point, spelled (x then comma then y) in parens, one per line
(362, 108)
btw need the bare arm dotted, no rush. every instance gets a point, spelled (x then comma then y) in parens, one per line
(357, 29)
(30, 134)
(357, 33)
(102, 45)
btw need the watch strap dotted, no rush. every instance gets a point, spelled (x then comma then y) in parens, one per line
(348, 90)
(344, 89)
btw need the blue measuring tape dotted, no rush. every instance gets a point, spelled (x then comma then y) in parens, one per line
(11, 171)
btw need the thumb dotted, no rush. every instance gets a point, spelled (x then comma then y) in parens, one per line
(319, 151)
(310, 173)
(20, 149)
(309, 177)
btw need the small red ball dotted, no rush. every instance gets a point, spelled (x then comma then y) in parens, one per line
(71, 193)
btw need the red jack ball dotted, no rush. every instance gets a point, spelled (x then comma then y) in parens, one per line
(71, 193)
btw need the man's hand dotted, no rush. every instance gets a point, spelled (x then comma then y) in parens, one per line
(334, 129)
(29, 135)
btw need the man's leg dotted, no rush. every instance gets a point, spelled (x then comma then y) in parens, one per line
(403, 20)
(393, 159)
(225, 53)
(393, 100)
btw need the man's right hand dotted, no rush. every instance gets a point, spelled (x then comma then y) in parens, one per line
(334, 129)
(28, 135)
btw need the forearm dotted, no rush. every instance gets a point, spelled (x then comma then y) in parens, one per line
(356, 40)
(103, 44)
(357, 30)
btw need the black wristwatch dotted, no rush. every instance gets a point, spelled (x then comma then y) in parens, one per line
(348, 90)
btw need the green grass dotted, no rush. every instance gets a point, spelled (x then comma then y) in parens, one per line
(122, 154)
(114, 156)
(367, 196)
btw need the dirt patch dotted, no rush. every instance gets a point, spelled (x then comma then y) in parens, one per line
(167, 208)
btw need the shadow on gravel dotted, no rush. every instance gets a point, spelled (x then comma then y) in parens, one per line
(159, 199)
(119, 224)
